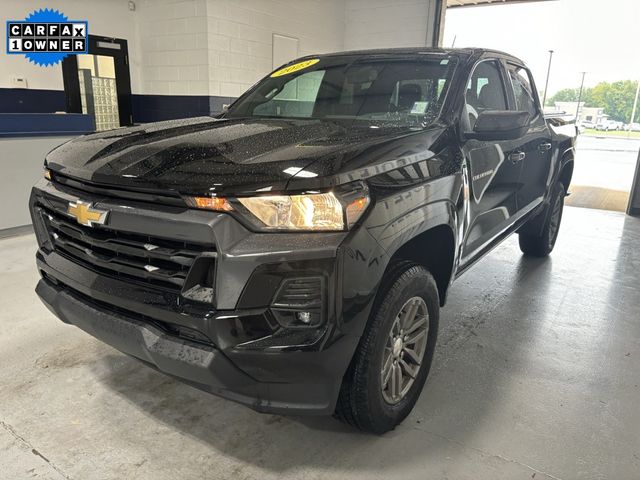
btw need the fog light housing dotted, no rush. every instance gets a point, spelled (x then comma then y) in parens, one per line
(299, 302)
(304, 317)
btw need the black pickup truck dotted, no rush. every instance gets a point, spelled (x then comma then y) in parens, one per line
(293, 253)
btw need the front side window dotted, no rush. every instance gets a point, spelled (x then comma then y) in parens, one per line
(400, 91)
(522, 90)
(485, 91)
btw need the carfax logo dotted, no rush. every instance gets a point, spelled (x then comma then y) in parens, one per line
(47, 36)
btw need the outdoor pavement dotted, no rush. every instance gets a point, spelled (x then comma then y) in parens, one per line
(537, 375)
(604, 169)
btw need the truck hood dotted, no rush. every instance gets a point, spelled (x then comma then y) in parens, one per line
(224, 156)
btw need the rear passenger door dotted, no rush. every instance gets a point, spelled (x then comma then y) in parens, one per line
(535, 146)
(494, 171)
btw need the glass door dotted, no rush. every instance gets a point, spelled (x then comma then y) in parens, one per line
(98, 90)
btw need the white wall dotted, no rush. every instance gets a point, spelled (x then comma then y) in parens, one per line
(222, 47)
(172, 47)
(106, 17)
(388, 23)
(22, 160)
(240, 36)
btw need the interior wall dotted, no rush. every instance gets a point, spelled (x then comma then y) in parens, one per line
(190, 57)
(241, 36)
(172, 45)
(198, 55)
(21, 168)
(222, 47)
(389, 23)
(108, 18)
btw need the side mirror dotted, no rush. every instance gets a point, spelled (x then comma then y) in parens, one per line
(500, 125)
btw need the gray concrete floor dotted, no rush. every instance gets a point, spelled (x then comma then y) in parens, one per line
(537, 375)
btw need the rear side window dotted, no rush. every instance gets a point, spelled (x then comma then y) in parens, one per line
(486, 90)
(521, 81)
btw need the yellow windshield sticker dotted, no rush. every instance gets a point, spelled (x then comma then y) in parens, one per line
(295, 67)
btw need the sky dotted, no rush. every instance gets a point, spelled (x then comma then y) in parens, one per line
(597, 36)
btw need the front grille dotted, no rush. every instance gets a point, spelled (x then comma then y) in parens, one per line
(135, 257)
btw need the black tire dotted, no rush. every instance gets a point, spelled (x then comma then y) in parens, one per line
(362, 402)
(542, 245)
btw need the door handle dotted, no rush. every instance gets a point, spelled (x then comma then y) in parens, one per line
(516, 157)
(544, 147)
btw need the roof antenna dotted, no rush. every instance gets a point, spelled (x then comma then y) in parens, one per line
(453, 44)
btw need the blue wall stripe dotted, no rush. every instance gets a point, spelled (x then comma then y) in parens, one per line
(153, 108)
(146, 108)
(44, 124)
(26, 100)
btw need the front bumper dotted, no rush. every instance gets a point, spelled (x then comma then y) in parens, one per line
(292, 371)
(202, 366)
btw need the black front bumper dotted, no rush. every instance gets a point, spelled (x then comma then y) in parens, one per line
(202, 366)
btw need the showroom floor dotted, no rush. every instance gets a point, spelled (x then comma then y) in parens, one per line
(537, 375)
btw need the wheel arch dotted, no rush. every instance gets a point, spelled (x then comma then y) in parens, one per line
(434, 249)
(566, 168)
(564, 175)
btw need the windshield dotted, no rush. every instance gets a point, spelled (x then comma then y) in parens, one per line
(403, 91)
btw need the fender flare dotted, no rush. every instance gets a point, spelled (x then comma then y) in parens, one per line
(437, 215)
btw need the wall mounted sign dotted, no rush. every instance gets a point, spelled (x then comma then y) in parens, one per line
(47, 36)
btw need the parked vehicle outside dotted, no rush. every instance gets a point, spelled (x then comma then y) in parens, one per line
(293, 254)
(609, 125)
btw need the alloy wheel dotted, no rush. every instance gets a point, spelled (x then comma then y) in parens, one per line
(554, 221)
(404, 350)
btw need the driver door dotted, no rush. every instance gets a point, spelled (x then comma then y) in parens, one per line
(494, 166)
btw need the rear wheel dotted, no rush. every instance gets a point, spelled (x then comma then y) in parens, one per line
(392, 362)
(542, 245)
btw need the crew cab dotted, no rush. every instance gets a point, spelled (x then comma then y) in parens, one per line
(293, 253)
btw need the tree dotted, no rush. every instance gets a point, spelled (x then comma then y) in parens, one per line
(564, 95)
(616, 98)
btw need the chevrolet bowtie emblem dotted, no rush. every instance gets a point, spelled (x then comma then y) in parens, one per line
(86, 215)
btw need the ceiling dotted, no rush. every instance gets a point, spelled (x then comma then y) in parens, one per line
(475, 3)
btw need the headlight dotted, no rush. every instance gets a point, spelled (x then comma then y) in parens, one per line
(329, 211)
(321, 211)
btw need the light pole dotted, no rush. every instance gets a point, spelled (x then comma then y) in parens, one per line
(546, 85)
(580, 97)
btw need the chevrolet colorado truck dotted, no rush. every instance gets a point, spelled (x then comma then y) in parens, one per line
(293, 253)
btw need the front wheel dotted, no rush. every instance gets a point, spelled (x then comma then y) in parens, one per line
(392, 362)
(542, 245)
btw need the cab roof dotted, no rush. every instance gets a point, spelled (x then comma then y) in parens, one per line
(408, 51)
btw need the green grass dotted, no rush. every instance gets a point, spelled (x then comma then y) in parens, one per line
(619, 133)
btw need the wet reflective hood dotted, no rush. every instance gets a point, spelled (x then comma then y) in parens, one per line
(232, 156)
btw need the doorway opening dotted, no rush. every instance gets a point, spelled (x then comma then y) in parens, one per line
(589, 83)
(98, 83)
